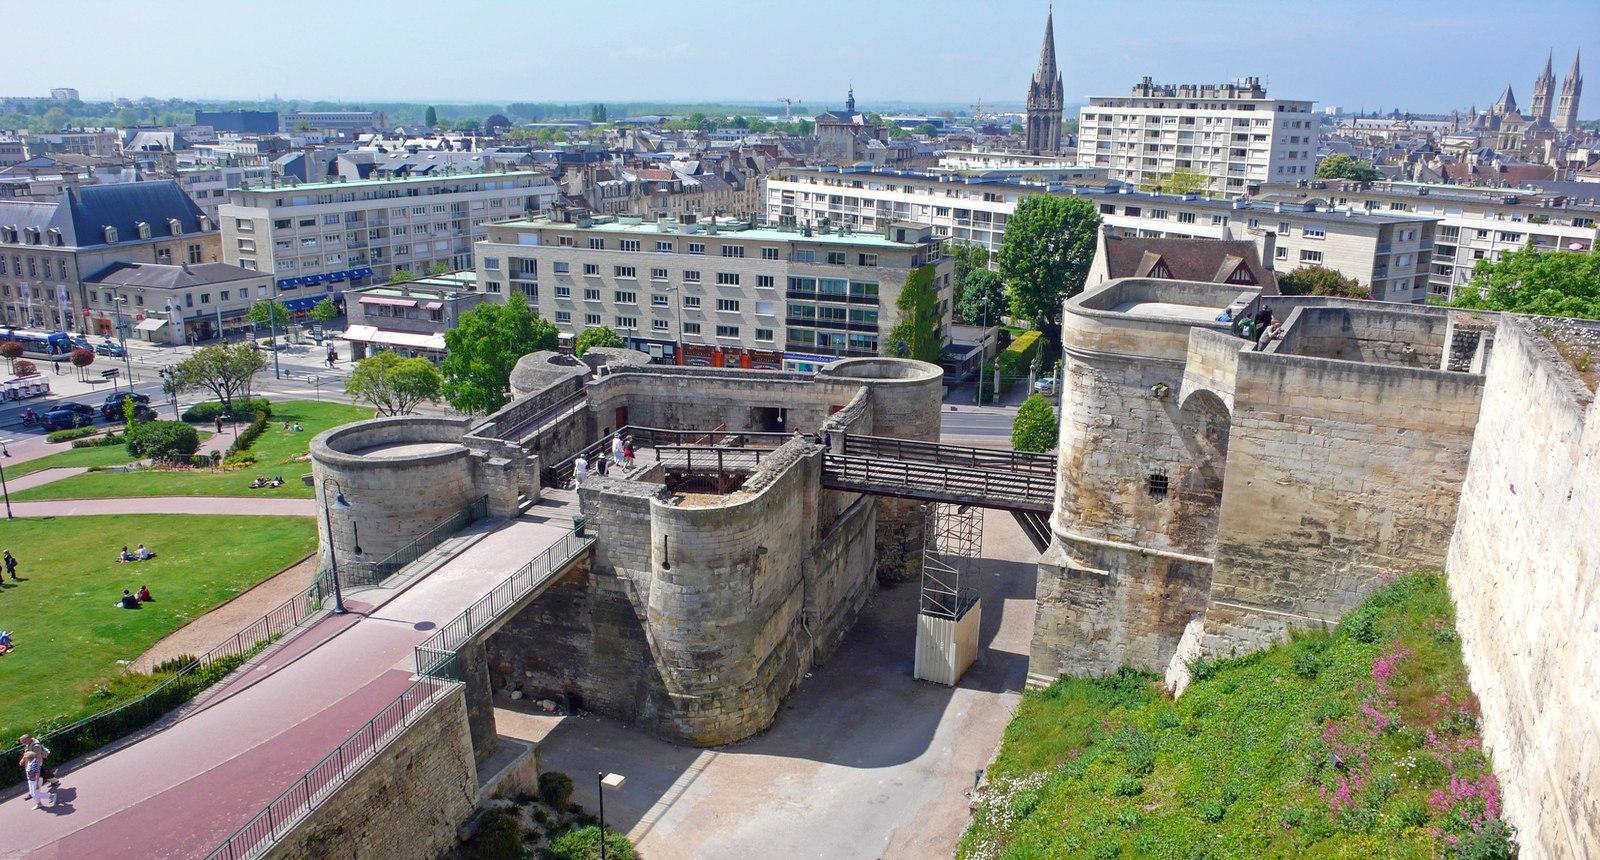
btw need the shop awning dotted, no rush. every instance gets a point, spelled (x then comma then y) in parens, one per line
(304, 303)
(384, 300)
(433, 306)
(384, 337)
(151, 323)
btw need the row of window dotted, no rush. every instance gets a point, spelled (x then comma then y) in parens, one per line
(798, 255)
(630, 323)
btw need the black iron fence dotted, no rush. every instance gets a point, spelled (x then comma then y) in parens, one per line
(1021, 491)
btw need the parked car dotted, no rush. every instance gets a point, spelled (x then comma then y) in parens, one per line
(110, 348)
(1045, 385)
(112, 407)
(64, 416)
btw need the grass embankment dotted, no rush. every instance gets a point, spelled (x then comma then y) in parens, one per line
(275, 452)
(1360, 743)
(68, 631)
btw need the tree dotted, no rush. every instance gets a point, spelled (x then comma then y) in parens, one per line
(1034, 428)
(174, 441)
(270, 312)
(597, 336)
(466, 124)
(1341, 166)
(926, 129)
(24, 367)
(484, 347)
(597, 113)
(1555, 283)
(984, 299)
(325, 311)
(968, 258)
(1045, 256)
(918, 333)
(11, 350)
(82, 358)
(1016, 128)
(1180, 181)
(430, 117)
(227, 371)
(1318, 281)
(392, 384)
(400, 276)
(439, 268)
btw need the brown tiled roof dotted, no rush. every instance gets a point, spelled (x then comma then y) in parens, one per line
(1213, 260)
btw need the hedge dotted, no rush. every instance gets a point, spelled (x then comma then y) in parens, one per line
(258, 425)
(70, 434)
(210, 409)
(99, 441)
(173, 441)
(1018, 357)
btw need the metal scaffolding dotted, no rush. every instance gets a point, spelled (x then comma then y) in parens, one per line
(952, 537)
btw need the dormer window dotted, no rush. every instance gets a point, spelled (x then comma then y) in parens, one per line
(111, 235)
(56, 238)
(205, 223)
(144, 229)
(175, 227)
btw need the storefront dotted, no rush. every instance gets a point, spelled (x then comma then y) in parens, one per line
(704, 355)
(660, 351)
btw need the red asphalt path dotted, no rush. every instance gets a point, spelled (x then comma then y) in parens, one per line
(181, 791)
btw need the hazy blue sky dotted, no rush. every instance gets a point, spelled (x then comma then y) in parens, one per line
(1407, 53)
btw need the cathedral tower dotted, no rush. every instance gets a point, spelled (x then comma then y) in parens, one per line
(1571, 88)
(1544, 92)
(1045, 100)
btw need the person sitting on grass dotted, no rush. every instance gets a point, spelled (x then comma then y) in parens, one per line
(144, 594)
(143, 554)
(259, 482)
(124, 557)
(277, 481)
(5, 642)
(128, 600)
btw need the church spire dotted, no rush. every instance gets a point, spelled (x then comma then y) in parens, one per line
(1045, 95)
(1544, 91)
(1571, 90)
(1047, 53)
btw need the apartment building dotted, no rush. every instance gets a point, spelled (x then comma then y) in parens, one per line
(316, 237)
(1387, 251)
(209, 186)
(50, 249)
(173, 304)
(1475, 224)
(1232, 134)
(410, 317)
(716, 293)
(349, 123)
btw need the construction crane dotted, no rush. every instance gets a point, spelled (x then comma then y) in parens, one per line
(977, 110)
(788, 107)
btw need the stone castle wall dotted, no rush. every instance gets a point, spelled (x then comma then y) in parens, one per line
(1524, 570)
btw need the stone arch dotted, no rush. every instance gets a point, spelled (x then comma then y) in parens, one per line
(1206, 421)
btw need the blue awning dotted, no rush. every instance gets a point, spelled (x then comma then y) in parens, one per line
(337, 276)
(303, 303)
(361, 272)
(313, 279)
(288, 282)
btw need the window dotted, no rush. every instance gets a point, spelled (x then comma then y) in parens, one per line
(630, 244)
(691, 276)
(530, 290)
(658, 274)
(658, 325)
(627, 322)
(591, 294)
(205, 298)
(1159, 214)
(494, 287)
(733, 250)
(764, 281)
(330, 219)
(836, 257)
(868, 259)
(728, 279)
(591, 268)
(491, 263)
(1156, 484)
(1281, 253)
(1308, 256)
(769, 253)
(697, 247)
(1185, 217)
(727, 331)
(562, 268)
(564, 241)
(658, 300)
(626, 297)
(864, 289)
(591, 319)
(765, 309)
(763, 334)
(691, 328)
(625, 271)
(563, 316)
(665, 247)
(729, 305)
(563, 292)
(1311, 232)
(1107, 209)
(691, 302)
(282, 224)
(223, 296)
(804, 255)
(597, 244)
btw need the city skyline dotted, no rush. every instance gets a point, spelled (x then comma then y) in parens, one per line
(1303, 52)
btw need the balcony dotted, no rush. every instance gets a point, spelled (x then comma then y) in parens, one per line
(1383, 247)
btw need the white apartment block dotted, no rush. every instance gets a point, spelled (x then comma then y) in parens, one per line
(1475, 224)
(1230, 133)
(208, 187)
(720, 294)
(323, 235)
(1388, 252)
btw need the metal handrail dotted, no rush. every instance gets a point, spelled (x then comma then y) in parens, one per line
(914, 450)
(938, 482)
(447, 640)
(297, 801)
(362, 575)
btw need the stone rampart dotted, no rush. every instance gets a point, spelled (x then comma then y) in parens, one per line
(1524, 570)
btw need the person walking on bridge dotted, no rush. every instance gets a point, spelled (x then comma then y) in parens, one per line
(616, 450)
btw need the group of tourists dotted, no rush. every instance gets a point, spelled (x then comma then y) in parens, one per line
(42, 778)
(622, 457)
(140, 554)
(1261, 328)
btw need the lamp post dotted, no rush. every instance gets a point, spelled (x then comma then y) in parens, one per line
(604, 781)
(4, 490)
(342, 504)
(122, 335)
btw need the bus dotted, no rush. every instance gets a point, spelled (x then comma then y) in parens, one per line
(48, 344)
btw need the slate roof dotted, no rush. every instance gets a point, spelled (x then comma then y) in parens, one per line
(1212, 260)
(170, 277)
(82, 214)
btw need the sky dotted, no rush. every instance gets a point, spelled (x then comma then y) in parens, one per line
(1415, 55)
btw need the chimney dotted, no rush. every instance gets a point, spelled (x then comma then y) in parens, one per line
(1269, 248)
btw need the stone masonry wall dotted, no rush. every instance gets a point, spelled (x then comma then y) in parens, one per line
(406, 804)
(1524, 570)
(1338, 474)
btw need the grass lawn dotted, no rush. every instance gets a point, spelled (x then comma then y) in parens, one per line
(1359, 743)
(275, 452)
(105, 455)
(63, 616)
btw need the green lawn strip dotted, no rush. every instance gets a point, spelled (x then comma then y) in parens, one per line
(275, 453)
(103, 455)
(1299, 751)
(68, 631)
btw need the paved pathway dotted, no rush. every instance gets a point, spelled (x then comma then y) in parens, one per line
(267, 507)
(180, 792)
(43, 476)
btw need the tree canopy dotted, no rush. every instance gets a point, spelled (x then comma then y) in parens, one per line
(324, 311)
(484, 347)
(596, 336)
(392, 384)
(921, 325)
(1035, 427)
(269, 312)
(1555, 283)
(226, 371)
(1319, 281)
(1045, 257)
(1341, 166)
(1180, 181)
(430, 117)
(968, 258)
(984, 299)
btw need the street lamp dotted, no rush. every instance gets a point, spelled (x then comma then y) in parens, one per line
(605, 781)
(342, 504)
(4, 490)
(122, 335)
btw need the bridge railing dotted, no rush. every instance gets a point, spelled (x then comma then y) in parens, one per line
(434, 655)
(699, 458)
(953, 455)
(296, 802)
(931, 481)
(560, 474)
